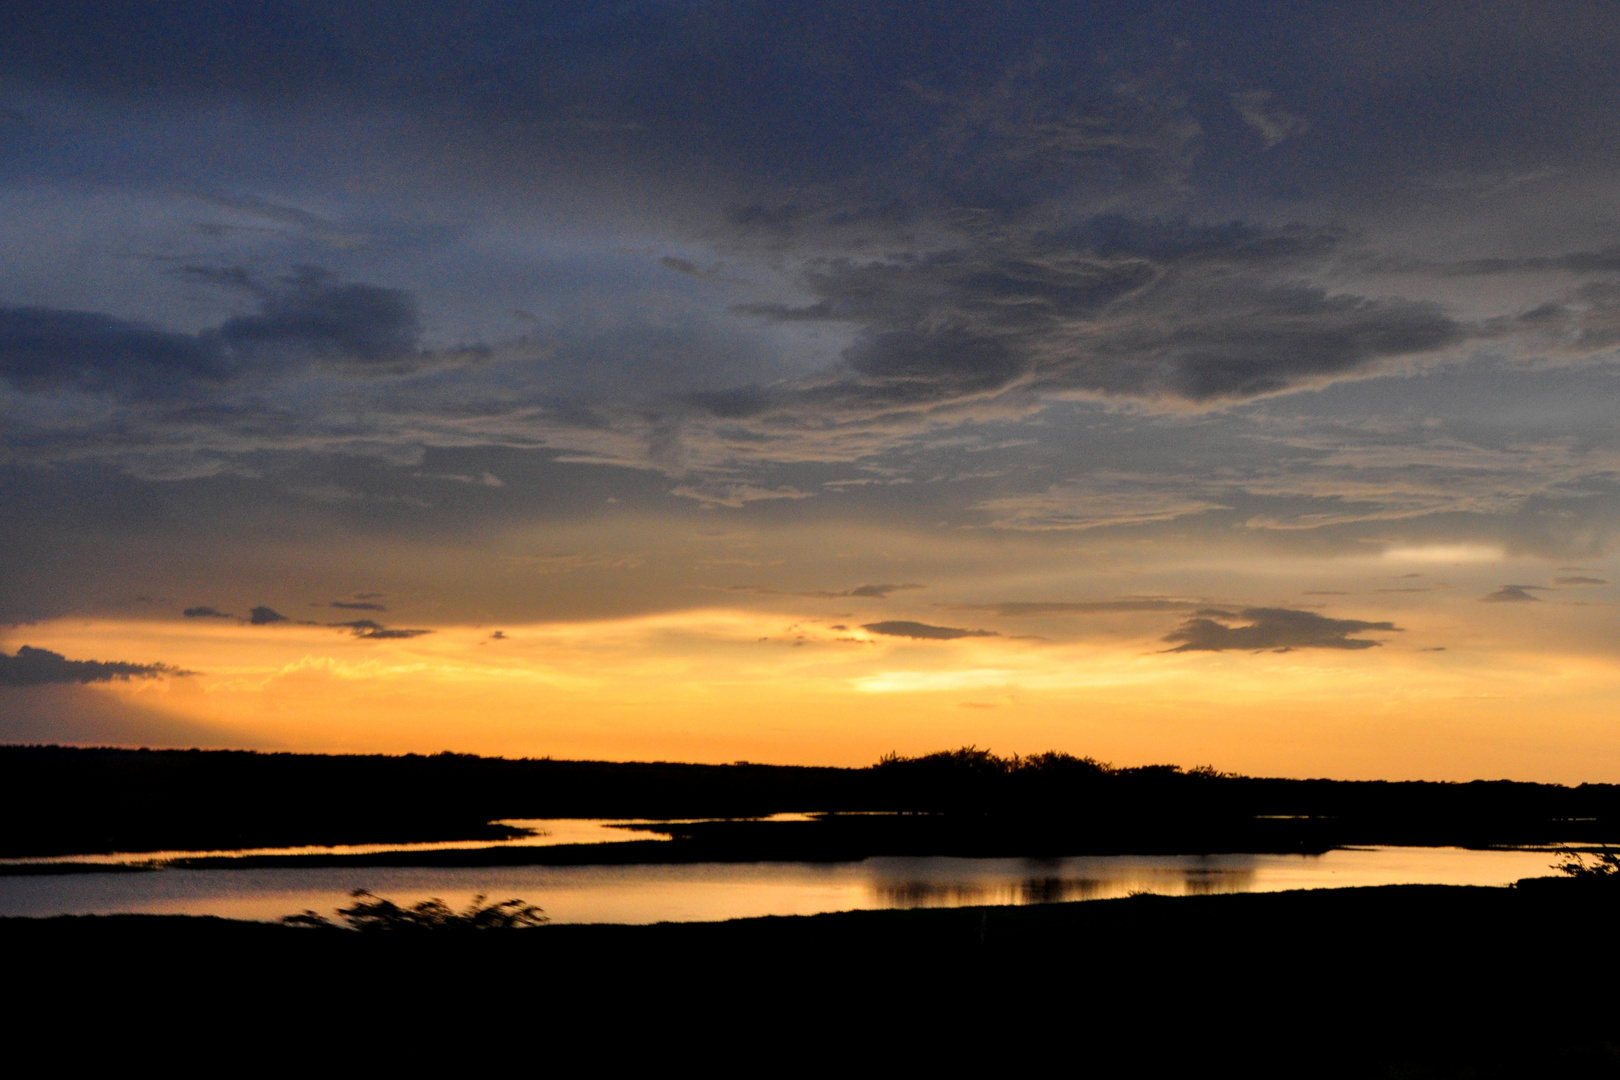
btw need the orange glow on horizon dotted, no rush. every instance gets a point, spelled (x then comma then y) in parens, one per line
(724, 684)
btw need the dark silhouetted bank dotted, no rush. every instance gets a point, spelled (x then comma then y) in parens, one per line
(1410, 981)
(64, 801)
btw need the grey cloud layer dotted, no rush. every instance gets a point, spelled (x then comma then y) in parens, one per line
(748, 245)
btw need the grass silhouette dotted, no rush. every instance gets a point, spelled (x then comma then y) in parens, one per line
(1604, 867)
(372, 913)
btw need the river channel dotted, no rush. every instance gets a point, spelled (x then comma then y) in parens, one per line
(707, 891)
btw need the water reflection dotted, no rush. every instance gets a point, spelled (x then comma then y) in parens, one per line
(707, 891)
(544, 832)
(962, 882)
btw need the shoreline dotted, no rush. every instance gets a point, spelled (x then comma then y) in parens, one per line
(678, 853)
(1408, 980)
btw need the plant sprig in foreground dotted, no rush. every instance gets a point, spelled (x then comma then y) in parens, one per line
(1605, 865)
(370, 912)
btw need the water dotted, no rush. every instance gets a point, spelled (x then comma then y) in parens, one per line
(545, 832)
(706, 891)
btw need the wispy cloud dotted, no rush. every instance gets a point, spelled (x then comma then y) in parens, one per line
(864, 592)
(735, 495)
(923, 631)
(1273, 124)
(375, 631)
(1121, 605)
(1096, 503)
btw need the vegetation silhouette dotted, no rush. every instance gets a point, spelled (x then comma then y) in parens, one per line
(58, 800)
(1400, 981)
(1604, 867)
(371, 914)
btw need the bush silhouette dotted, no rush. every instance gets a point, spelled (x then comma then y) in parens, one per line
(373, 913)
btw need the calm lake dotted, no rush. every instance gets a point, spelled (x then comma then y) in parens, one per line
(705, 891)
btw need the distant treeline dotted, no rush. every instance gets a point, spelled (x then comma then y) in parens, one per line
(63, 800)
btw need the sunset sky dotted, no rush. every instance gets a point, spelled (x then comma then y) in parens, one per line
(1197, 383)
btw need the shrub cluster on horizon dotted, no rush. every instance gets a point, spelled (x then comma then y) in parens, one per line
(972, 760)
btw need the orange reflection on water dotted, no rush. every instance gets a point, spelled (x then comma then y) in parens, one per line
(714, 891)
(544, 832)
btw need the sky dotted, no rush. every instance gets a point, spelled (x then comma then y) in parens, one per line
(1226, 384)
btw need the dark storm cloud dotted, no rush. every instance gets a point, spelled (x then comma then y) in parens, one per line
(1278, 629)
(313, 317)
(953, 103)
(1133, 308)
(740, 89)
(970, 204)
(39, 667)
(307, 319)
(923, 631)
(358, 605)
(1513, 594)
(987, 276)
(1019, 298)
(42, 349)
(972, 198)
(1229, 343)
(205, 612)
(765, 72)
(265, 616)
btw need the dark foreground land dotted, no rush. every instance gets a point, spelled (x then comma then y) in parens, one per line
(65, 801)
(1410, 981)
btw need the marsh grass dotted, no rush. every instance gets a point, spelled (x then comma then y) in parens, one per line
(1604, 865)
(370, 912)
